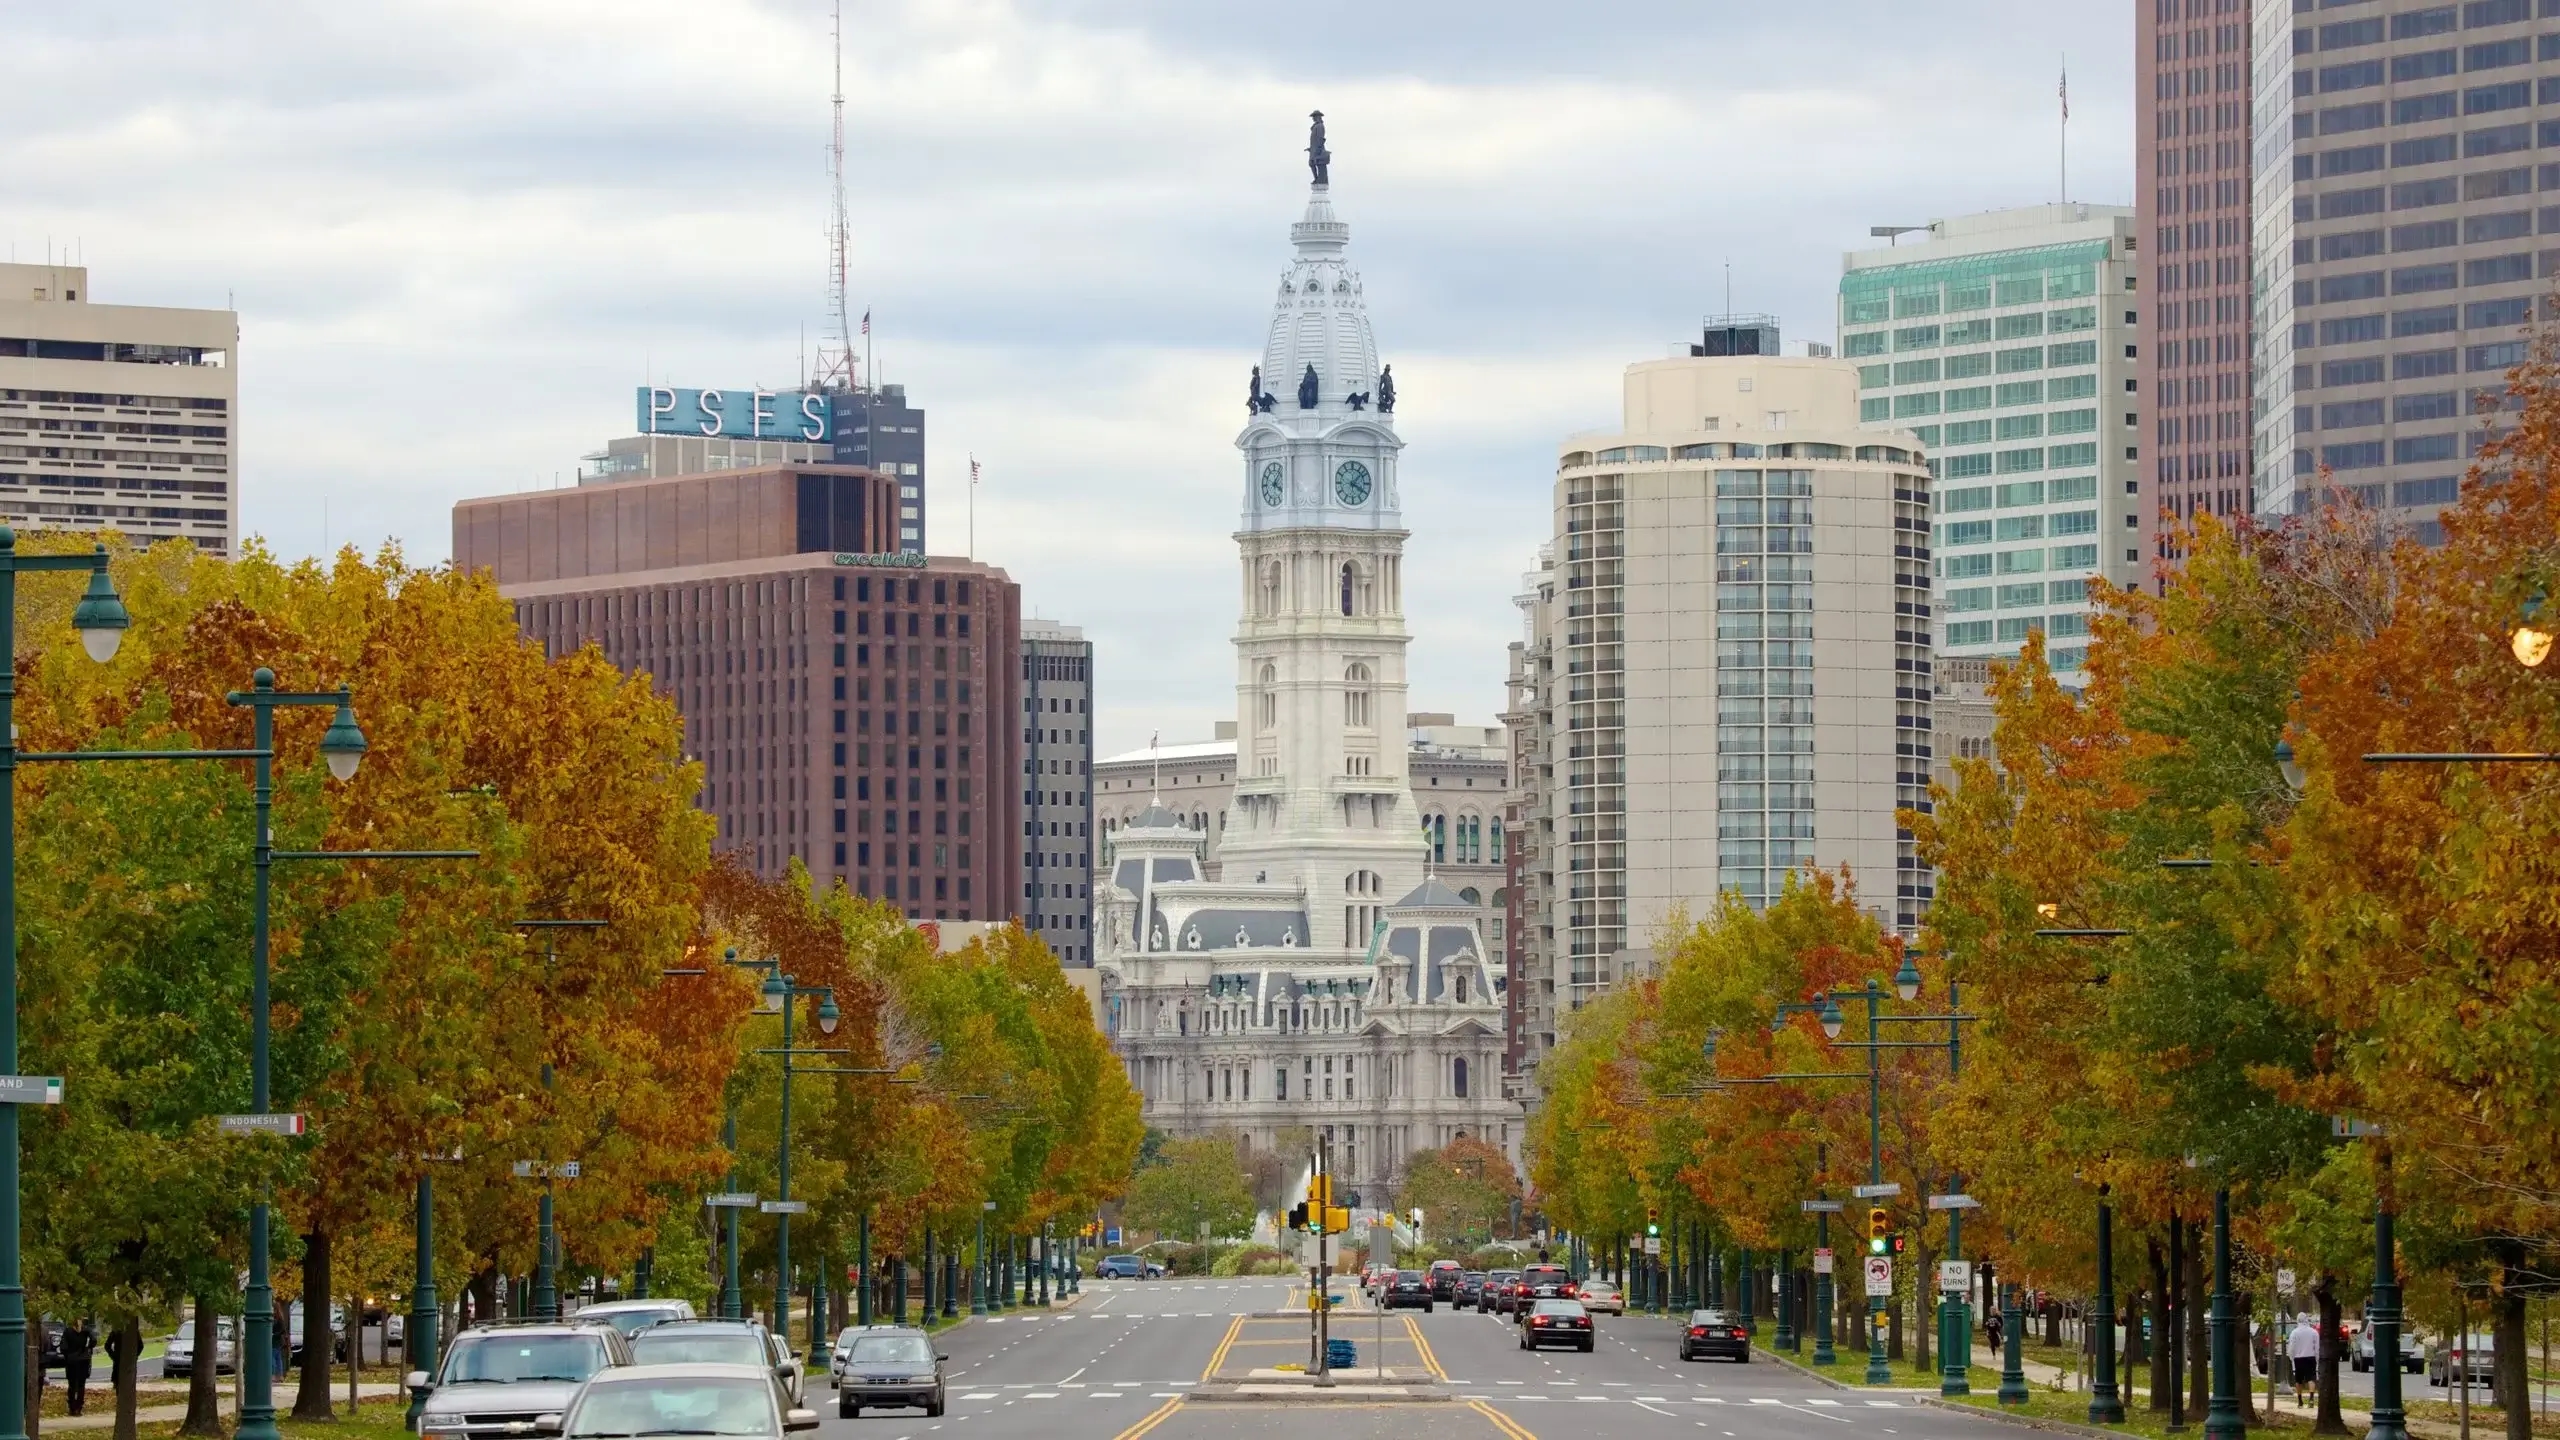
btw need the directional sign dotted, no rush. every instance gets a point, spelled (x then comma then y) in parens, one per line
(1955, 1277)
(1879, 1276)
(1111, 1235)
(1821, 1262)
(1653, 1244)
(785, 1207)
(731, 1200)
(1878, 1192)
(1954, 1202)
(34, 1090)
(259, 1124)
(1821, 1207)
(566, 1169)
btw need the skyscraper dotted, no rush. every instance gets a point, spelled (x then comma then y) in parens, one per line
(1057, 788)
(876, 428)
(2192, 159)
(2394, 240)
(2006, 343)
(117, 417)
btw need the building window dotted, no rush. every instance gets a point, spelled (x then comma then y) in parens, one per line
(1355, 697)
(1458, 1074)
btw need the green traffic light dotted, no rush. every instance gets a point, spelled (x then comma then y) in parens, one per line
(1875, 1246)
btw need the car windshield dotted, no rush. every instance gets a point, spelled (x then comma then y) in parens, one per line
(1546, 1275)
(1558, 1307)
(1706, 1317)
(506, 1359)
(1504, 1276)
(1413, 1276)
(680, 1346)
(677, 1406)
(892, 1350)
(631, 1322)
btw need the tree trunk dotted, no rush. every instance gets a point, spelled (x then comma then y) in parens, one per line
(2163, 1341)
(484, 1290)
(2199, 1337)
(124, 1367)
(35, 1375)
(1924, 1285)
(2508, 1380)
(355, 1350)
(1893, 1331)
(204, 1411)
(2328, 1421)
(2243, 1306)
(2053, 1322)
(311, 1395)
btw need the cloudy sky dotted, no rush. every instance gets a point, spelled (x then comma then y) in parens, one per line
(459, 234)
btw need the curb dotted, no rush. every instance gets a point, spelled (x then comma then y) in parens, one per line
(2029, 1422)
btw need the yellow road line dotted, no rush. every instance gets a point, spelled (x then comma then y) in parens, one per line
(1162, 1413)
(1510, 1428)
(1218, 1356)
(1430, 1361)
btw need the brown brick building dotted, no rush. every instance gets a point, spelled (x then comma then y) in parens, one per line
(852, 706)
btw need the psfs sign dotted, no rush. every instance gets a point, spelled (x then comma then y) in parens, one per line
(735, 414)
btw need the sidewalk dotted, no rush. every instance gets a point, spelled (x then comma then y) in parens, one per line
(102, 1416)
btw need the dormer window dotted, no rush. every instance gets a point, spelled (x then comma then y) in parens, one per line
(1462, 987)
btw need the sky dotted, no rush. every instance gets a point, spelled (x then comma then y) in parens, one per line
(460, 234)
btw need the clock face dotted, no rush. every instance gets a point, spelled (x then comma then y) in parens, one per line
(1351, 483)
(1275, 486)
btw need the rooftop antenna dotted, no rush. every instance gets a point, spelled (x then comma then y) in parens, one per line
(835, 368)
(973, 507)
(1155, 751)
(2065, 158)
(1728, 288)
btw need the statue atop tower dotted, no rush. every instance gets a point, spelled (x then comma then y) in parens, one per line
(1319, 159)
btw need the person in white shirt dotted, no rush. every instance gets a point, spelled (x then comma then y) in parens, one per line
(2304, 1346)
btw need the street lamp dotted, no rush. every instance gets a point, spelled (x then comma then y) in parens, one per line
(2531, 643)
(546, 1261)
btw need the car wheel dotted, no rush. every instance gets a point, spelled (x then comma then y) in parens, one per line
(1744, 1357)
(934, 1410)
(1587, 1344)
(1426, 1307)
(848, 1411)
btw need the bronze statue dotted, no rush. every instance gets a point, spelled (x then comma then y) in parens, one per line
(1357, 399)
(1307, 389)
(1387, 391)
(1319, 159)
(1253, 392)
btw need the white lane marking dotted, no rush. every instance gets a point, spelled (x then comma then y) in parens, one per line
(1042, 1395)
(1071, 1378)
(1822, 1402)
(979, 1395)
(1641, 1405)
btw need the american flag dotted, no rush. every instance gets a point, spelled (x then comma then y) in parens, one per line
(973, 469)
(866, 322)
(2066, 114)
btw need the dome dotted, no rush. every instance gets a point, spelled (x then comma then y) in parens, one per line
(1320, 319)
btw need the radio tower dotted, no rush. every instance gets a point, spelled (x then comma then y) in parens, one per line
(836, 369)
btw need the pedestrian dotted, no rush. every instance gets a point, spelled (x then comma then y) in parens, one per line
(1991, 1327)
(78, 1342)
(2304, 1346)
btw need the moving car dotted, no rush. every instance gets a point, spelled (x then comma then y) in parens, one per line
(1408, 1291)
(1713, 1332)
(1540, 1282)
(2448, 1361)
(2413, 1356)
(1443, 1279)
(890, 1365)
(1558, 1322)
(1599, 1295)
(508, 1373)
(741, 1401)
(179, 1358)
(718, 1342)
(1470, 1288)
(1120, 1267)
(1495, 1296)
(632, 1316)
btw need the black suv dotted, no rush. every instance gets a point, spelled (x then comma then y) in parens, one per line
(1470, 1288)
(1408, 1291)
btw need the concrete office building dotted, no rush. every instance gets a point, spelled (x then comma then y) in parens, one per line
(2006, 343)
(117, 417)
(1528, 878)
(876, 428)
(852, 705)
(2395, 238)
(1732, 680)
(1057, 788)
(2191, 147)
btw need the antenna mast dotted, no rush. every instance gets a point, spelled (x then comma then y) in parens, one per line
(835, 369)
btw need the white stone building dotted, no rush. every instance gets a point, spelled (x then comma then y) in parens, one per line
(1325, 978)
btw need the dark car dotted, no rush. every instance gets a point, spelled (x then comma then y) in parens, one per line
(890, 1365)
(1409, 1291)
(1471, 1288)
(1494, 1296)
(1712, 1332)
(1443, 1277)
(1540, 1282)
(1557, 1322)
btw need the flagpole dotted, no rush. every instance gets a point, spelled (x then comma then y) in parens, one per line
(2065, 146)
(973, 507)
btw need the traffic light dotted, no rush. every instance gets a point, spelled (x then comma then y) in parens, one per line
(1900, 1241)
(1298, 1217)
(1879, 1230)
(1651, 1215)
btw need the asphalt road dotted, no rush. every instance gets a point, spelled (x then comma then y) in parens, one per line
(1124, 1361)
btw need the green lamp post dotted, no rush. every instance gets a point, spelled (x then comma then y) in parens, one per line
(546, 1262)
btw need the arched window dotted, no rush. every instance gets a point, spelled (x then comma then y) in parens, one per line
(1347, 572)
(1355, 697)
(1271, 588)
(1471, 896)
(1435, 831)
(1459, 984)
(1458, 1076)
(1494, 851)
(1267, 698)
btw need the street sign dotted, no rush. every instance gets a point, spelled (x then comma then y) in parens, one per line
(784, 1207)
(2347, 1127)
(731, 1200)
(566, 1170)
(1821, 1262)
(1879, 1276)
(250, 1124)
(1821, 1207)
(2284, 1282)
(1111, 1235)
(1878, 1192)
(42, 1090)
(986, 1204)
(1954, 1202)
(1653, 1244)
(1955, 1277)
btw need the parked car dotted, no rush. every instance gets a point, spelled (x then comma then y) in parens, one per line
(2413, 1357)
(632, 1316)
(1120, 1267)
(1408, 1291)
(890, 1365)
(1599, 1295)
(734, 1402)
(178, 1359)
(1443, 1279)
(2449, 1360)
(719, 1342)
(1495, 1296)
(1712, 1332)
(1470, 1288)
(496, 1378)
(1558, 1322)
